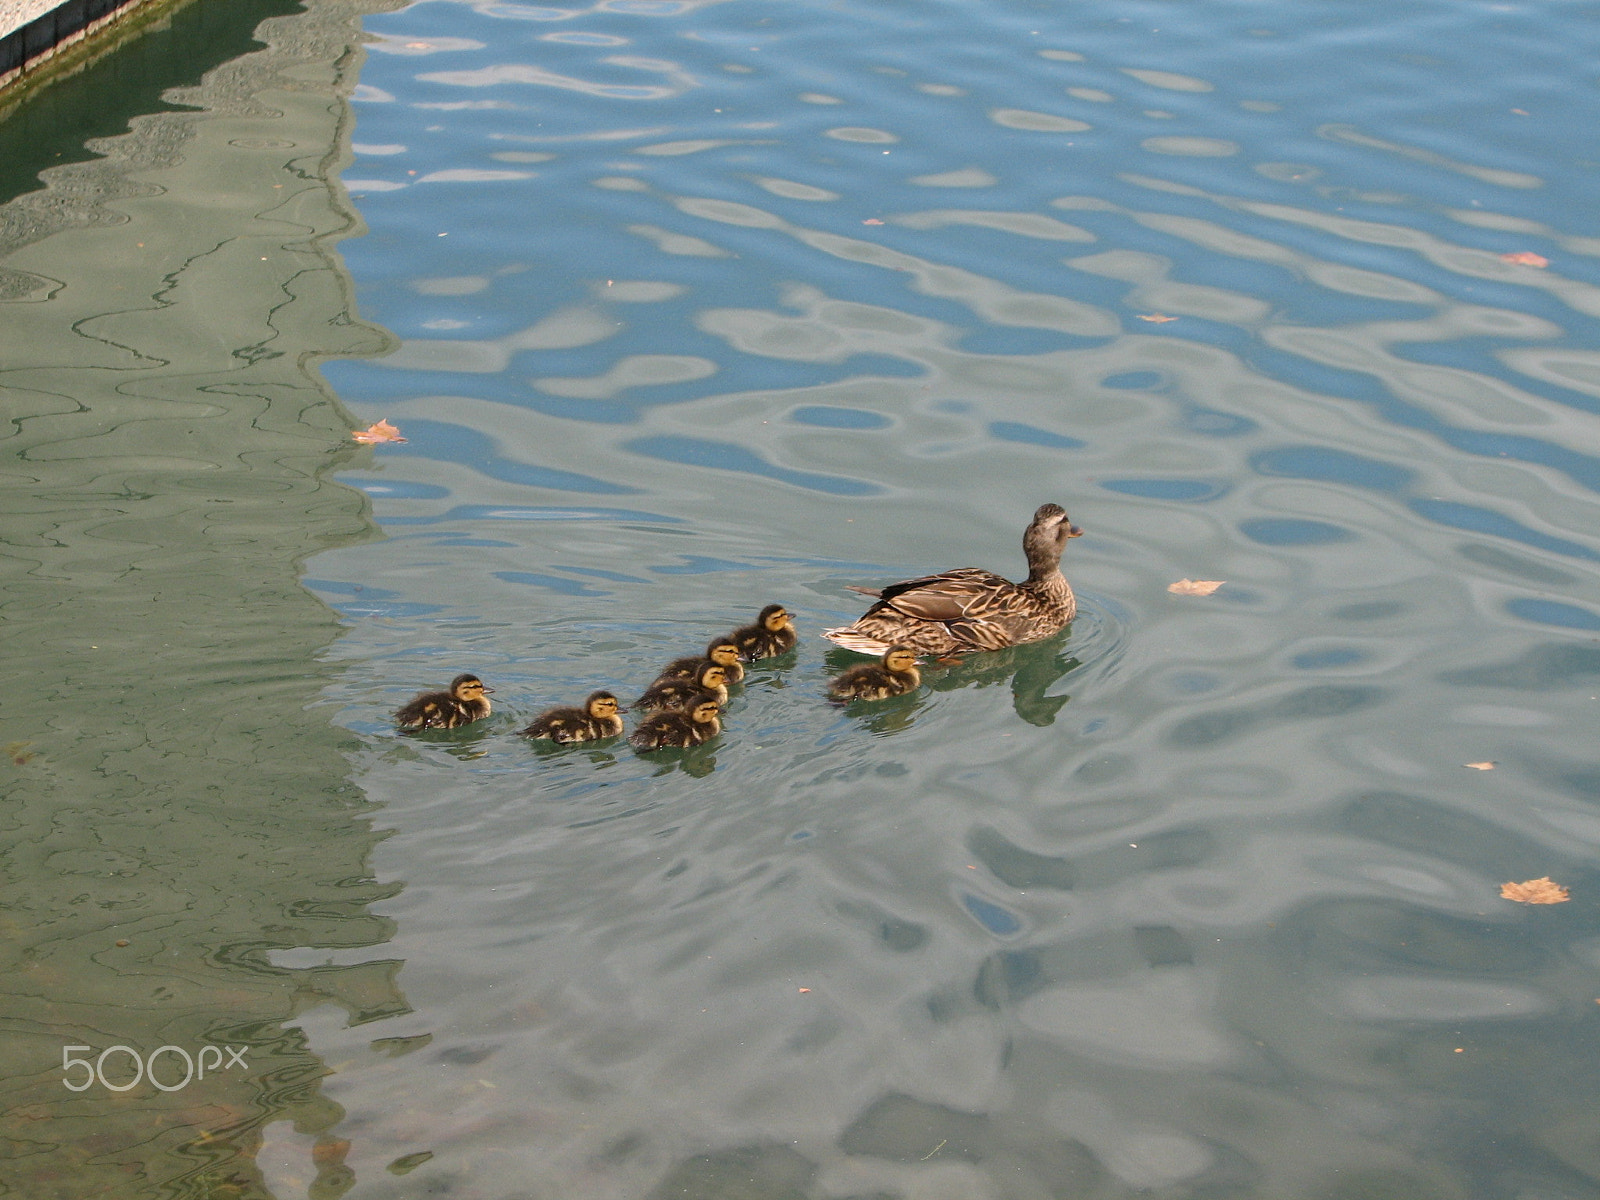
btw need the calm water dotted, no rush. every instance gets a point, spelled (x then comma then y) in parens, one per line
(688, 307)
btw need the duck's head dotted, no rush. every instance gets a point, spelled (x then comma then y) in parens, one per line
(712, 676)
(723, 652)
(900, 659)
(1049, 531)
(601, 705)
(469, 687)
(775, 617)
(704, 709)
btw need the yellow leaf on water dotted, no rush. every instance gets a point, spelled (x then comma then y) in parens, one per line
(1526, 258)
(1157, 318)
(1483, 766)
(382, 431)
(1195, 587)
(1534, 891)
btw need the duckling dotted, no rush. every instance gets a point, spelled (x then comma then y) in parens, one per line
(772, 634)
(723, 651)
(674, 693)
(598, 718)
(893, 675)
(691, 725)
(464, 703)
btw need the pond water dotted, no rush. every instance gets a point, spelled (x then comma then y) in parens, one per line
(686, 307)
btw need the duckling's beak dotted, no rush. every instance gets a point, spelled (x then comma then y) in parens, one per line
(1073, 531)
(488, 691)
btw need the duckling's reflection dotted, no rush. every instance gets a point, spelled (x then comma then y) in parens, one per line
(596, 753)
(696, 762)
(770, 671)
(1031, 670)
(465, 743)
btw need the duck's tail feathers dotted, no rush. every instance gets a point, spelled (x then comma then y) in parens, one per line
(852, 638)
(876, 593)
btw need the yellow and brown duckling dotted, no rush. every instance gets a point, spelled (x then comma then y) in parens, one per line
(955, 612)
(674, 693)
(598, 718)
(771, 635)
(695, 723)
(464, 703)
(723, 651)
(893, 675)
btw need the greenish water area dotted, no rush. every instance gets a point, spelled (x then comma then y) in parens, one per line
(175, 807)
(686, 307)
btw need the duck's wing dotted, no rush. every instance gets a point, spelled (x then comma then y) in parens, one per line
(421, 712)
(950, 596)
(978, 608)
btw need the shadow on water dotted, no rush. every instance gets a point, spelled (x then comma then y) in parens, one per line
(54, 125)
(181, 826)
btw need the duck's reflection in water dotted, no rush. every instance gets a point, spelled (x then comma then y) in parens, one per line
(601, 753)
(696, 761)
(1030, 670)
(465, 743)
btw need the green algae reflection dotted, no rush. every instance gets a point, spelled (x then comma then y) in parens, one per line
(176, 807)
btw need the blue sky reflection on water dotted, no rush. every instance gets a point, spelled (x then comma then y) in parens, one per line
(711, 304)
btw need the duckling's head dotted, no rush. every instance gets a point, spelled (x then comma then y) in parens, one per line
(601, 704)
(705, 709)
(774, 617)
(469, 687)
(900, 659)
(712, 676)
(723, 652)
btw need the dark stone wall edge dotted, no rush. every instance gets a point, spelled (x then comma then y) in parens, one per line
(27, 48)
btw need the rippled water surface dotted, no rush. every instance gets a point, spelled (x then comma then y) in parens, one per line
(704, 305)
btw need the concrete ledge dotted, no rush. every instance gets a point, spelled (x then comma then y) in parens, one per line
(34, 31)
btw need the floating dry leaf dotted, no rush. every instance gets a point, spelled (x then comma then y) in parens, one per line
(1534, 891)
(380, 432)
(1158, 318)
(1483, 766)
(872, 221)
(1195, 587)
(1526, 258)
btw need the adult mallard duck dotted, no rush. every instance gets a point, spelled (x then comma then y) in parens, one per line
(894, 675)
(771, 635)
(598, 718)
(674, 693)
(955, 612)
(688, 726)
(723, 651)
(464, 703)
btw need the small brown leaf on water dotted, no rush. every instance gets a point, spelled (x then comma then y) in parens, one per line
(1157, 318)
(382, 431)
(872, 221)
(1483, 766)
(1195, 587)
(1526, 258)
(1534, 891)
